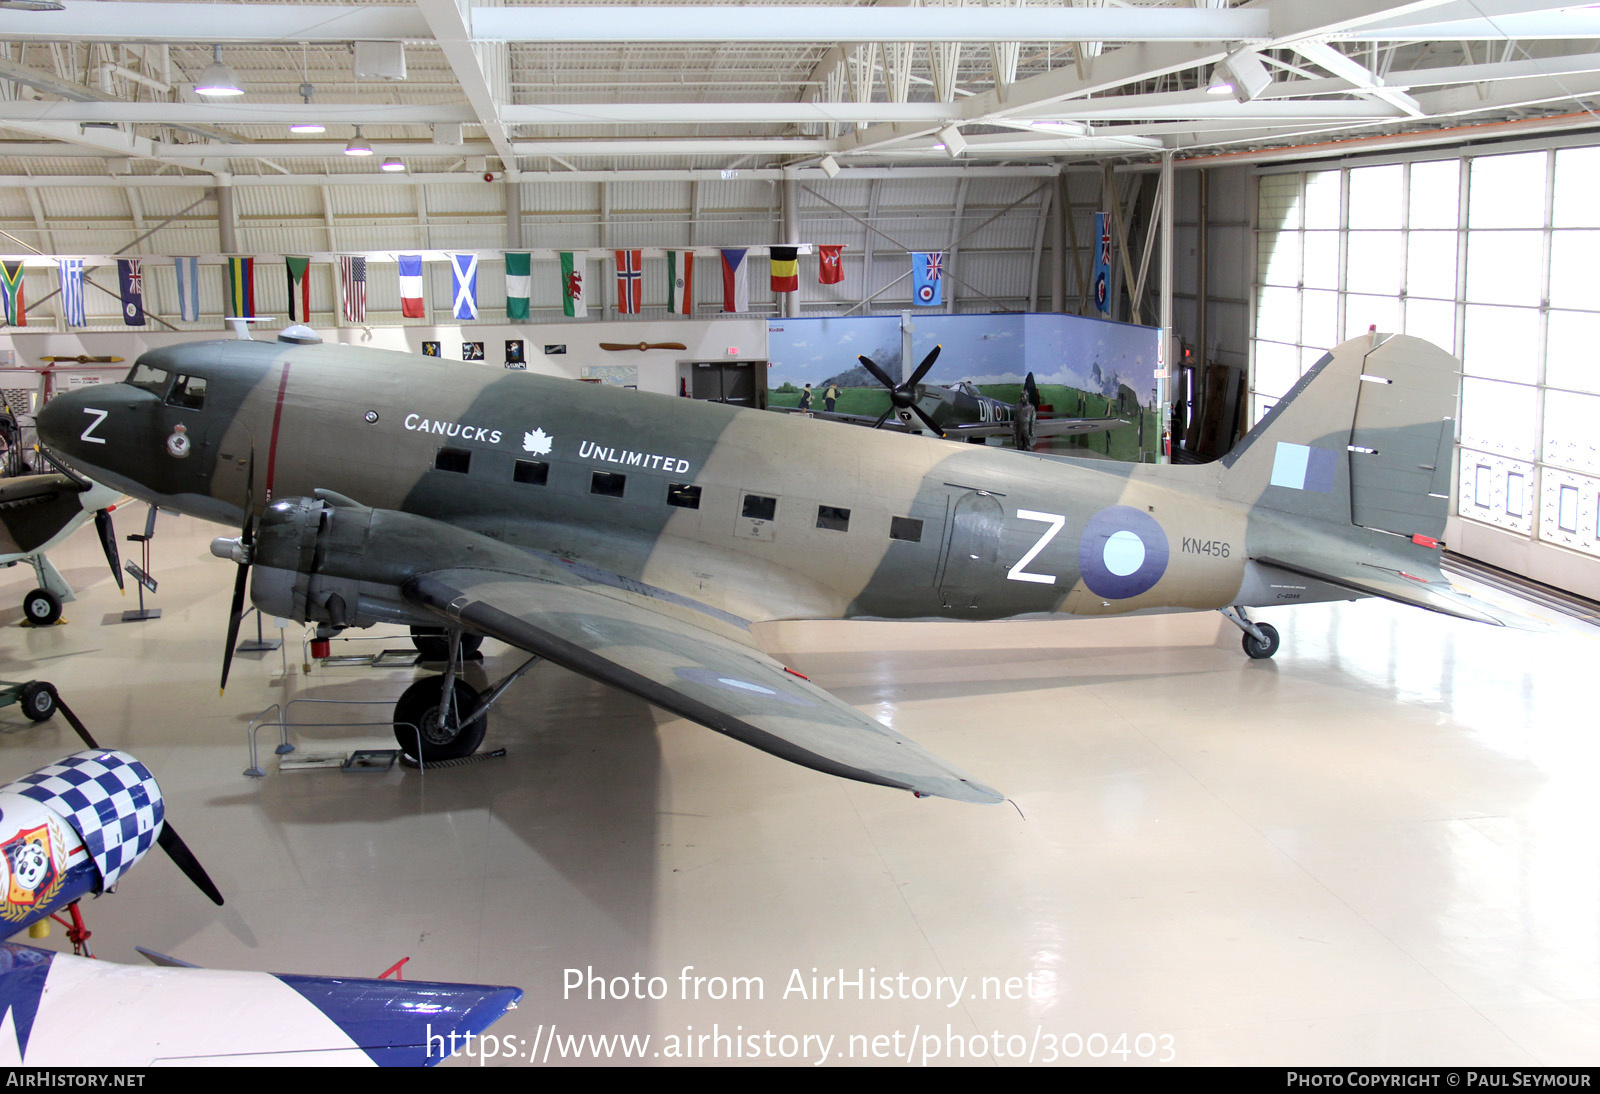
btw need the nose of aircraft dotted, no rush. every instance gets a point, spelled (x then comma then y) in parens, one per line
(55, 419)
(74, 424)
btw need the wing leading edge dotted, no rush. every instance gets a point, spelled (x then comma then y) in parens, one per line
(705, 671)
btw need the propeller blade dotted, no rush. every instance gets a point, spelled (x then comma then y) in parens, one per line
(235, 614)
(78, 727)
(184, 859)
(883, 417)
(922, 369)
(1031, 390)
(937, 429)
(108, 543)
(878, 373)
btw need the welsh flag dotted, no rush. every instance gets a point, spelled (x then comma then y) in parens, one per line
(574, 298)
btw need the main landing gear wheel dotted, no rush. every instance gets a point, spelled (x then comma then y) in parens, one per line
(42, 607)
(418, 708)
(38, 700)
(1258, 649)
(433, 643)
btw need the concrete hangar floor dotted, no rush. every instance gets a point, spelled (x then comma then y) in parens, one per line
(1378, 848)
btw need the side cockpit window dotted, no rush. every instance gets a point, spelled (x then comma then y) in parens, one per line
(151, 379)
(189, 392)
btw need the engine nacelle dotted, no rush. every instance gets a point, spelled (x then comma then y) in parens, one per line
(71, 829)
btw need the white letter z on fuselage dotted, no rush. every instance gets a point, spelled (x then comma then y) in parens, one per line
(1055, 520)
(99, 416)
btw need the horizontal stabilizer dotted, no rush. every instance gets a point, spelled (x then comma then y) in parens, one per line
(1365, 579)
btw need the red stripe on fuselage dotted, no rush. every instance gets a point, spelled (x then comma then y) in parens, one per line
(277, 417)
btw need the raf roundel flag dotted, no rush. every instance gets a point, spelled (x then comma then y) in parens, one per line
(927, 278)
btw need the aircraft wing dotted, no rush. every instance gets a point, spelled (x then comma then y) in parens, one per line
(891, 422)
(1433, 593)
(28, 489)
(686, 659)
(1044, 427)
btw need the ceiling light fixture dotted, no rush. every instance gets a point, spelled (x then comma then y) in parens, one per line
(1245, 72)
(306, 91)
(954, 142)
(357, 146)
(218, 79)
(830, 167)
(392, 164)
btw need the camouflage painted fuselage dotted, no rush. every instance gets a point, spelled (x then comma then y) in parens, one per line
(793, 518)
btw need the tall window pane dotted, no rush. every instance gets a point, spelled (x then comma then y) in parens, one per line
(1572, 353)
(1377, 195)
(1577, 183)
(1506, 191)
(1502, 344)
(1431, 265)
(1505, 267)
(1435, 194)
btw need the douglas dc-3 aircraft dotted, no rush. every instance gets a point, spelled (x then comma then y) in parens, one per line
(634, 538)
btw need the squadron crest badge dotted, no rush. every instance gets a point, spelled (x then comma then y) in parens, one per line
(178, 443)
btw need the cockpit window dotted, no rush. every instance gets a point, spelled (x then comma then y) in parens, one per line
(151, 379)
(189, 392)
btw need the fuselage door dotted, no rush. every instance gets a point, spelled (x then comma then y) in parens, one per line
(972, 553)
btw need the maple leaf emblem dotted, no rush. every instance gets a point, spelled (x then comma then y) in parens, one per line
(538, 442)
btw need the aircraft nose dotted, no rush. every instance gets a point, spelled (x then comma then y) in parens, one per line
(57, 421)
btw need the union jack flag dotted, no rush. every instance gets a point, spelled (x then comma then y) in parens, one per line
(935, 266)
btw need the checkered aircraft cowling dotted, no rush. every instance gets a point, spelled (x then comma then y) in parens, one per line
(110, 799)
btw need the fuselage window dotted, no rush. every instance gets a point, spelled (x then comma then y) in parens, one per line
(759, 507)
(151, 379)
(608, 484)
(532, 472)
(189, 393)
(833, 518)
(452, 459)
(683, 495)
(906, 528)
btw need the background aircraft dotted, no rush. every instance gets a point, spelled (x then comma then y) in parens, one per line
(38, 512)
(962, 412)
(73, 829)
(636, 538)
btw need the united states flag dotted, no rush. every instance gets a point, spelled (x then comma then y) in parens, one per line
(353, 287)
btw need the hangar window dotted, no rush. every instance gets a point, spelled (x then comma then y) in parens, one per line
(608, 484)
(906, 528)
(189, 393)
(452, 459)
(760, 507)
(532, 472)
(833, 518)
(683, 495)
(151, 379)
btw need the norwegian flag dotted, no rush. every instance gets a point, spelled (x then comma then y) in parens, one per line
(353, 287)
(630, 282)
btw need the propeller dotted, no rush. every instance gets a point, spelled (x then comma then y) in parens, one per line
(1030, 391)
(904, 396)
(239, 551)
(108, 543)
(170, 841)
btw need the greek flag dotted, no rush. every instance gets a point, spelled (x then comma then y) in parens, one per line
(72, 291)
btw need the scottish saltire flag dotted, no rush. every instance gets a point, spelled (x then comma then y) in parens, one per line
(785, 268)
(519, 283)
(630, 282)
(72, 291)
(353, 288)
(130, 286)
(680, 281)
(830, 271)
(1102, 263)
(927, 278)
(411, 287)
(242, 287)
(464, 285)
(574, 301)
(11, 290)
(188, 274)
(735, 280)
(296, 268)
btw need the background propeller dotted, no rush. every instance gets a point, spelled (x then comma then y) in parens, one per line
(170, 841)
(904, 396)
(108, 542)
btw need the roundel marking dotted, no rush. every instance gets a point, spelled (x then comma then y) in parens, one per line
(1123, 553)
(925, 293)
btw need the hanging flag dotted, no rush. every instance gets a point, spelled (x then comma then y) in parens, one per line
(785, 268)
(72, 291)
(574, 302)
(680, 277)
(927, 278)
(411, 287)
(353, 288)
(519, 283)
(130, 285)
(735, 281)
(242, 287)
(188, 273)
(630, 282)
(11, 289)
(1102, 263)
(831, 270)
(464, 285)
(300, 284)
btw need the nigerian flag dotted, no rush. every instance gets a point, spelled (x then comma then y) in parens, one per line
(519, 265)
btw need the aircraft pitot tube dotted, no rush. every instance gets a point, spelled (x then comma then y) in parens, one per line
(72, 829)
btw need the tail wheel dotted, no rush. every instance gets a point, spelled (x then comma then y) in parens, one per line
(42, 607)
(1258, 649)
(433, 643)
(418, 709)
(38, 700)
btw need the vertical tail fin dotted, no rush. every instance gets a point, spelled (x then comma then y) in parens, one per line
(1363, 439)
